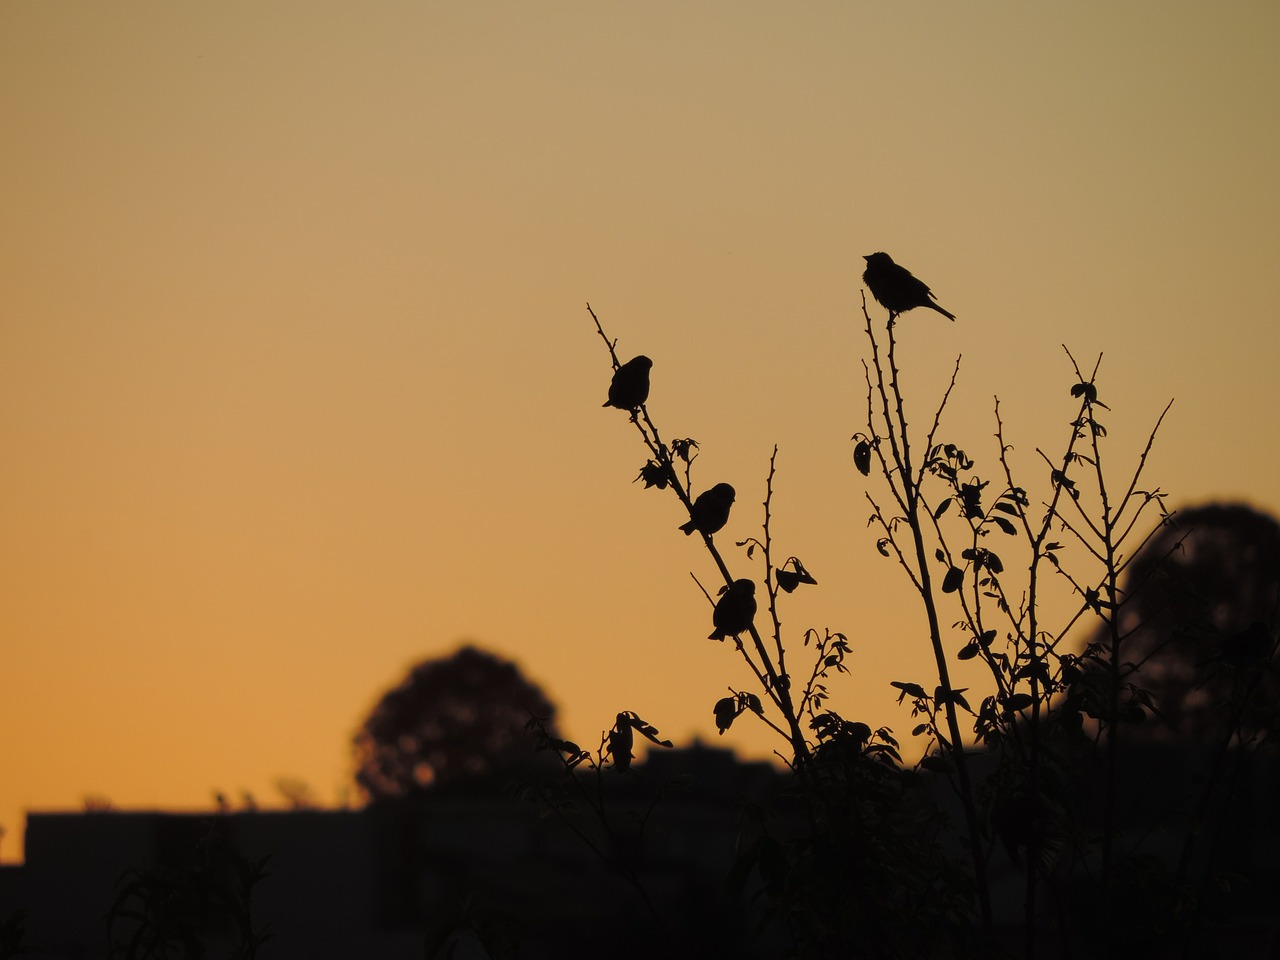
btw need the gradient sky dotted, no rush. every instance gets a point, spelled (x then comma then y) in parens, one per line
(298, 385)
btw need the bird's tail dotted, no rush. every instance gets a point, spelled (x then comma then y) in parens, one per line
(946, 313)
(687, 528)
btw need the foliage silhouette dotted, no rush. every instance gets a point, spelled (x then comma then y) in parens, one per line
(451, 718)
(201, 900)
(13, 935)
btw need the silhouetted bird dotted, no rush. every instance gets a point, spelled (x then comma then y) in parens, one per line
(630, 386)
(711, 510)
(896, 289)
(735, 610)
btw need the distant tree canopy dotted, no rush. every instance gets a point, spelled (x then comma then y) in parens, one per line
(1200, 590)
(450, 718)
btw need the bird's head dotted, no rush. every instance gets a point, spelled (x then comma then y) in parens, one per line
(725, 491)
(878, 259)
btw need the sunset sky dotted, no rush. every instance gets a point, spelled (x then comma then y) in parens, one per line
(298, 383)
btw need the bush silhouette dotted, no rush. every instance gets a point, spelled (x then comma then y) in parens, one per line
(1027, 828)
(453, 718)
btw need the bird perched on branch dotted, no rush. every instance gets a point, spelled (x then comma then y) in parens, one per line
(630, 386)
(735, 610)
(896, 289)
(710, 511)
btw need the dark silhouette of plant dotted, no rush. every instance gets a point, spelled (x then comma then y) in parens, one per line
(199, 904)
(617, 839)
(859, 837)
(1040, 772)
(451, 718)
(13, 936)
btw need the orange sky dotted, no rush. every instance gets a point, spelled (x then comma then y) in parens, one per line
(298, 386)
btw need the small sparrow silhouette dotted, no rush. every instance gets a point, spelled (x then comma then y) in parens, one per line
(896, 289)
(710, 511)
(629, 388)
(735, 610)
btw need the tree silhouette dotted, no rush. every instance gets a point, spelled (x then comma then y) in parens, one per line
(451, 718)
(1196, 593)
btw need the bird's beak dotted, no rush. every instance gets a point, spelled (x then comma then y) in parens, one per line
(867, 258)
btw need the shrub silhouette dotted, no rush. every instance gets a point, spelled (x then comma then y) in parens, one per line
(1018, 832)
(452, 718)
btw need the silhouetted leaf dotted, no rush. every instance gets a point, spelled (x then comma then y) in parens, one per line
(1037, 669)
(646, 730)
(953, 580)
(941, 508)
(1004, 525)
(1005, 507)
(969, 650)
(919, 729)
(655, 474)
(788, 580)
(862, 457)
(1066, 483)
(956, 697)
(971, 498)
(684, 449)
(1018, 701)
(753, 704)
(882, 545)
(726, 711)
(1086, 390)
(908, 689)
(621, 741)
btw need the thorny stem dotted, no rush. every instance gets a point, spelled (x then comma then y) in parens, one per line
(905, 486)
(771, 584)
(1110, 543)
(1031, 638)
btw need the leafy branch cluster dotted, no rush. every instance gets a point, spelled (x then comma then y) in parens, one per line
(953, 531)
(669, 467)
